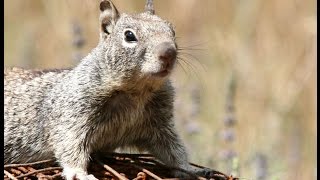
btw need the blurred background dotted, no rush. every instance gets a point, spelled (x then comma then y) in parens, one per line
(246, 81)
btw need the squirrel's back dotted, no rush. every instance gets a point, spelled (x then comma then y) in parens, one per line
(15, 75)
(27, 86)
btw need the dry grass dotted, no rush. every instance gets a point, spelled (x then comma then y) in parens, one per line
(270, 46)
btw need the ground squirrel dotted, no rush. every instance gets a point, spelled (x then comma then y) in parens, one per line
(119, 95)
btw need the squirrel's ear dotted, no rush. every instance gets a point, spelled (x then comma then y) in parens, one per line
(108, 16)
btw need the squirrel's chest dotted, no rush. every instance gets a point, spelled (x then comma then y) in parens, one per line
(120, 117)
(122, 110)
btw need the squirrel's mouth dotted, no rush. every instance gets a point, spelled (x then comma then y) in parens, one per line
(162, 73)
(165, 69)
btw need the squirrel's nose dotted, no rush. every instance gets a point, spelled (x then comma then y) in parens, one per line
(167, 53)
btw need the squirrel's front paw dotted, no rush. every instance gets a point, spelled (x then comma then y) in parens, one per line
(205, 172)
(90, 177)
(184, 175)
(76, 173)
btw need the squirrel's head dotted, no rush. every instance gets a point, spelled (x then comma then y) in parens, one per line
(140, 45)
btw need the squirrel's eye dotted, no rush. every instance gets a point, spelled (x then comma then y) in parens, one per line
(130, 37)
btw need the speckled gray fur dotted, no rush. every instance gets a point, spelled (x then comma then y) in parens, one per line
(110, 100)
